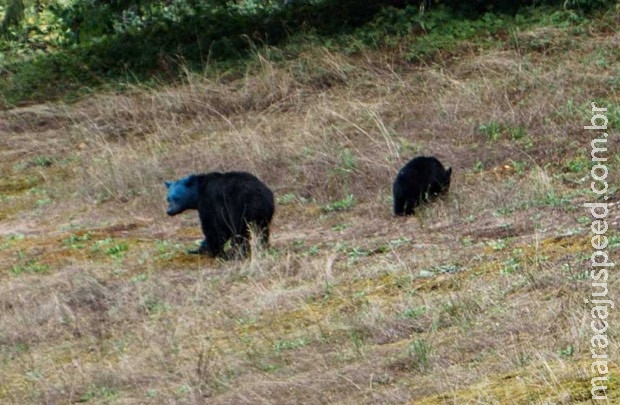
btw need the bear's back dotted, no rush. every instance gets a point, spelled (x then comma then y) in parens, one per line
(424, 164)
(233, 186)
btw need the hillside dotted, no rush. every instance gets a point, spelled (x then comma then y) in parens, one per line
(478, 298)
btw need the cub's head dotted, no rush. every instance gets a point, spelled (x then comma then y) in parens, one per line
(183, 195)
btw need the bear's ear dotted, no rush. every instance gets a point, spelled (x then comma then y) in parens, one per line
(189, 181)
(168, 183)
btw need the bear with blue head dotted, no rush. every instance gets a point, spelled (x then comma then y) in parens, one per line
(422, 177)
(227, 204)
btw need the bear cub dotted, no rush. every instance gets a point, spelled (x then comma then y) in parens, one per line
(227, 204)
(421, 178)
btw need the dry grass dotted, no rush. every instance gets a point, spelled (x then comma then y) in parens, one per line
(478, 299)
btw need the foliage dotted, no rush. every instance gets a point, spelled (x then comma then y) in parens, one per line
(478, 7)
(86, 43)
(97, 41)
(13, 14)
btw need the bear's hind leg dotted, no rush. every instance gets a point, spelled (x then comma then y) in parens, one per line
(409, 206)
(240, 246)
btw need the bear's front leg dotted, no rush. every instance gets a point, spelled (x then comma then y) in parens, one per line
(202, 249)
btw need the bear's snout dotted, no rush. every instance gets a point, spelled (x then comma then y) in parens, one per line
(172, 211)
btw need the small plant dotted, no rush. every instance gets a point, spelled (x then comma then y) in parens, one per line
(348, 161)
(578, 276)
(111, 247)
(584, 220)
(165, 250)
(551, 198)
(151, 393)
(282, 345)
(402, 241)
(101, 392)
(42, 202)
(513, 264)
(467, 241)
(355, 253)
(312, 250)
(567, 352)
(447, 268)
(571, 108)
(478, 166)
(182, 391)
(357, 339)
(492, 130)
(419, 354)
(17, 236)
(256, 356)
(499, 244)
(340, 205)
(519, 166)
(155, 306)
(42, 161)
(517, 133)
(340, 227)
(117, 250)
(523, 359)
(612, 113)
(286, 199)
(503, 211)
(614, 241)
(30, 266)
(140, 278)
(8, 240)
(414, 312)
(577, 165)
(38, 161)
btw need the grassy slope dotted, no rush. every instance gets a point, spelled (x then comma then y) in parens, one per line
(478, 299)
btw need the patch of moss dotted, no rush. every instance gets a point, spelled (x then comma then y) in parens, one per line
(540, 383)
(13, 185)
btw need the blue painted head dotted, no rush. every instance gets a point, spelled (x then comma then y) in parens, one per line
(183, 195)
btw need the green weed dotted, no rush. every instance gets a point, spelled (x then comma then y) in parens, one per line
(340, 227)
(577, 165)
(111, 247)
(568, 351)
(478, 166)
(419, 355)
(286, 199)
(513, 264)
(519, 166)
(341, 205)
(282, 345)
(414, 312)
(491, 130)
(499, 244)
(99, 392)
(29, 266)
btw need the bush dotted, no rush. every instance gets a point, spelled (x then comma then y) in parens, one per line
(94, 41)
(474, 8)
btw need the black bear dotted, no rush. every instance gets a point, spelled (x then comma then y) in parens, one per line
(422, 177)
(227, 204)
